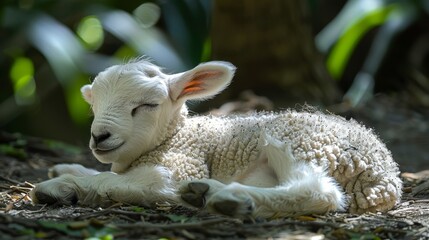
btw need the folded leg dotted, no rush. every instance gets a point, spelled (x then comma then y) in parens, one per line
(301, 189)
(73, 169)
(314, 194)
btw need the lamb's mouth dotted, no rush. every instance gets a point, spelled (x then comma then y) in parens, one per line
(101, 151)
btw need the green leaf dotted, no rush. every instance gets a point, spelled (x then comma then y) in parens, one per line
(337, 60)
(21, 74)
(12, 151)
(105, 237)
(90, 31)
(137, 209)
(177, 218)
(77, 107)
(22, 67)
(63, 147)
(81, 229)
(207, 50)
(125, 52)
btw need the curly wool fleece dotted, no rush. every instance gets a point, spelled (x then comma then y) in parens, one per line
(224, 146)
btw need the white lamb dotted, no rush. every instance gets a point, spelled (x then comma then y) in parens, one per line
(266, 164)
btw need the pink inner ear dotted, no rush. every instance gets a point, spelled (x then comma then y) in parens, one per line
(191, 87)
(89, 94)
(198, 81)
(200, 76)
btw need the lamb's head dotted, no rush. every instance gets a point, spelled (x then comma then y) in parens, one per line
(136, 106)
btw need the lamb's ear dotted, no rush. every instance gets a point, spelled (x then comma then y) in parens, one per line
(204, 81)
(87, 93)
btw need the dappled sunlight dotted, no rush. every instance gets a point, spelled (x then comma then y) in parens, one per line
(148, 14)
(22, 76)
(90, 31)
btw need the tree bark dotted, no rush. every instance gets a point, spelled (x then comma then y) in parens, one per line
(271, 43)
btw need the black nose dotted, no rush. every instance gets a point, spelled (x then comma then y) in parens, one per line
(100, 138)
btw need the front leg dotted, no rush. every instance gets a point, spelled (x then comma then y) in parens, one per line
(140, 186)
(73, 169)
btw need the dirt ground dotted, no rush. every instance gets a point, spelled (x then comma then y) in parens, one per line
(24, 161)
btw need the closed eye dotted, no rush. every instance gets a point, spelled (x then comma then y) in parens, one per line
(148, 106)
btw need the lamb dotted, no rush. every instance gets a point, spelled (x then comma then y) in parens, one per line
(258, 165)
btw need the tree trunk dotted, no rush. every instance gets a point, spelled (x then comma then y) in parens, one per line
(272, 45)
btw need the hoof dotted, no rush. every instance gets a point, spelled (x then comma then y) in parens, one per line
(226, 207)
(195, 194)
(41, 197)
(233, 207)
(44, 197)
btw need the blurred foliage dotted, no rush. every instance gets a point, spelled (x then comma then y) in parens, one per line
(340, 38)
(75, 40)
(89, 229)
(49, 49)
(21, 75)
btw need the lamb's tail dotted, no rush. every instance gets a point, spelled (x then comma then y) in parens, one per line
(279, 155)
(301, 175)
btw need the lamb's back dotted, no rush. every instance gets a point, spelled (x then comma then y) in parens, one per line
(351, 153)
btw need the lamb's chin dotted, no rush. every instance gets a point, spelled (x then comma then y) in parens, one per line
(100, 150)
(107, 156)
